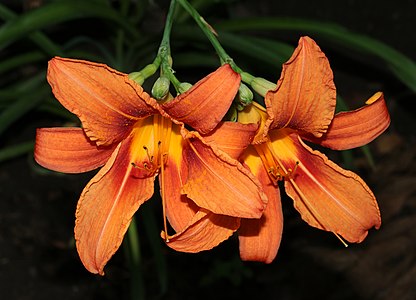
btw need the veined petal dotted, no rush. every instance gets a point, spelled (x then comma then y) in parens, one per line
(179, 208)
(205, 231)
(305, 96)
(327, 196)
(107, 205)
(105, 100)
(68, 150)
(219, 183)
(356, 128)
(206, 103)
(232, 137)
(260, 239)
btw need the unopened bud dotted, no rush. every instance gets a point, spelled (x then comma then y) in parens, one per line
(245, 95)
(143, 74)
(137, 77)
(161, 88)
(183, 87)
(262, 86)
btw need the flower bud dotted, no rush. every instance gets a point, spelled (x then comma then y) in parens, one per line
(142, 75)
(137, 77)
(161, 88)
(245, 95)
(183, 87)
(262, 86)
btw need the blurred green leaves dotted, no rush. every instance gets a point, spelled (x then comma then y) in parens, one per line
(336, 36)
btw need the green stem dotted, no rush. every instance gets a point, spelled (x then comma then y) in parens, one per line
(210, 34)
(137, 286)
(164, 48)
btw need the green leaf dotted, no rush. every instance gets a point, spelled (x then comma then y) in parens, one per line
(15, 150)
(400, 65)
(265, 50)
(20, 107)
(22, 59)
(58, 12)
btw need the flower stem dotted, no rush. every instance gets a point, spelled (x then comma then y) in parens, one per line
(164, 48)
(210, 34)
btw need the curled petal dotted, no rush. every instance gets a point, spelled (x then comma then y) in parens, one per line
(260, 239)
(205, 231)
(232, 137)
(206, 103)
(305, 96)
(68, 150)
(219, 183)
(327, 196)
(105, 100)
(356, 128)
(106, 207)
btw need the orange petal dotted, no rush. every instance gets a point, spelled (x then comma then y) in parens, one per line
(260, 238)
(68, 150)
(205, 104)
(305, 96)
(105, 100)
(356, 128)
(106, 207)
(179, 208)
(219, 183)
(327, 196)
(205, 231)
(232, 137)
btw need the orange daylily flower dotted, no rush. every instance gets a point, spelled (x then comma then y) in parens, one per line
(134, 139)
(327, 196)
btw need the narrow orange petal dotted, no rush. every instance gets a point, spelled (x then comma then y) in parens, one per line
(260, 239)
(105, 100)
(232, 137)
(327, 196)
(106, 207)
(206, 103)
(179, 208)
(205, 231)
(219, 183)
(356, 128)
(68, 150)
(305, 96)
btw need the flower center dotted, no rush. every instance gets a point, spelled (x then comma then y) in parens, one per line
(274, 165)
(151, 146)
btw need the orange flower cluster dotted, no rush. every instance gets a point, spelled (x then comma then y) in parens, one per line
(216, 177)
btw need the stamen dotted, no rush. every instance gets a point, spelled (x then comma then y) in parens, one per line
(340, 238)
(162, 191)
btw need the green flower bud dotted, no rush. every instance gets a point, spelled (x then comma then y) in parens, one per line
(149, 70)
(137, 77)
(183, 87)
(141, 76)
(161, 88)
(245, 95)
(262, 86)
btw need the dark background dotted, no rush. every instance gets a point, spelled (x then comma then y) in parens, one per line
(37, 255)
